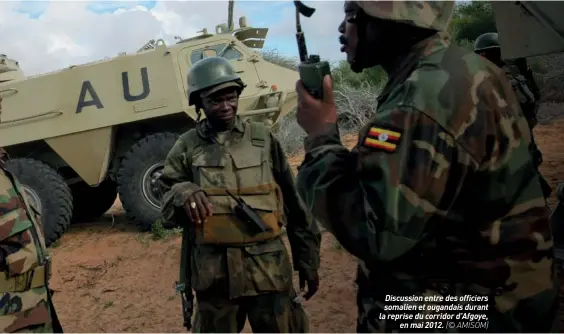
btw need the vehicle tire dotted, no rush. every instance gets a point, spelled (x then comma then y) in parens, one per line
(48, 192)
(138, 171)
(89, 202)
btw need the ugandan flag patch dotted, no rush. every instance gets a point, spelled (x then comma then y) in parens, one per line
(382, 139)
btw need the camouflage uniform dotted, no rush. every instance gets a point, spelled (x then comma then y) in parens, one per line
(527, 95)
(529, 105)
(440, 195)
(26, 300)
(236, 273)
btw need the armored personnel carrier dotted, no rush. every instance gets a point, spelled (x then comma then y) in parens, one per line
(78, 136)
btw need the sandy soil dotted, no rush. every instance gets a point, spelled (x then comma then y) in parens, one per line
(110, 278)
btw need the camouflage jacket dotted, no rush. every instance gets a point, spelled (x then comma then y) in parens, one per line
(440, 195)
(251, 269)
(23, 257)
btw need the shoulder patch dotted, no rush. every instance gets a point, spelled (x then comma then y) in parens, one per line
(382, 139)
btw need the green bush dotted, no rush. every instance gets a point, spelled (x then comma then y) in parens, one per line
(355, 96)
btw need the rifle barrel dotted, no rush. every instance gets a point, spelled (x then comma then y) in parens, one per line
(238, 200)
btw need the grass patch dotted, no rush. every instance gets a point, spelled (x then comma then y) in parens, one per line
(159, 232)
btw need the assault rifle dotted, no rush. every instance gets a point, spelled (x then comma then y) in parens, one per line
(187, 304)
(184, 286)
(247, 214)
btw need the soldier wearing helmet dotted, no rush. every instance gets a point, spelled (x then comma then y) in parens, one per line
(524, 87)
(440, 197)
(487, 45)
(237, 272)
(24, 286)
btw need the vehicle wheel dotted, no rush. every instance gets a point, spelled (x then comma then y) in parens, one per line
(89, 202)
(137, 178)
(48, 193)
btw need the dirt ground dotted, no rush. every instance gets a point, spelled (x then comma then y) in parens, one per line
(108, 277)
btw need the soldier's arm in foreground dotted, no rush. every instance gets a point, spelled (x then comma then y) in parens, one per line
(302, 233)
(378, 201)
(20, 235)
(23, 253)
(176, 180)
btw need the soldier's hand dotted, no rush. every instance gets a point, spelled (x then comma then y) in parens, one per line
(313, 115)
(198, 207)
(312, 283)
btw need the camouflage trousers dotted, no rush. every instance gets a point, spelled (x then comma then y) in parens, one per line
(43, 328)
(273, 312)
(36, 329)
(28, 325)
(367, 320)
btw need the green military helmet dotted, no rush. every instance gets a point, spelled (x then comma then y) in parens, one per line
(211, 72)
(486, 41)
(434, 15)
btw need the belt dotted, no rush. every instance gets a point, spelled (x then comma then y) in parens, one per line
(35, 278)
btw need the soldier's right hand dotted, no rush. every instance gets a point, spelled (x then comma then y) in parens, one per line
(198, 207)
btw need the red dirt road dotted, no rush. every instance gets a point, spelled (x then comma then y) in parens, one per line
(113, 279)
(110, 278)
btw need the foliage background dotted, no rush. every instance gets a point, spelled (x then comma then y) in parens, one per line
(356, 94)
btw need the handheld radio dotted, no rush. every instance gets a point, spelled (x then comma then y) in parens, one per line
(312, 70)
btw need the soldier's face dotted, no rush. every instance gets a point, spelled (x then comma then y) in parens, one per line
(348, 30)
(221, 107)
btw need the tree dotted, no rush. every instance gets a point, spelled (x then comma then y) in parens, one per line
(470, 20)
(343, 75)
(274, 56)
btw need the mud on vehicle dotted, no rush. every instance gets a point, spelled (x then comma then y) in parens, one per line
(78, 137)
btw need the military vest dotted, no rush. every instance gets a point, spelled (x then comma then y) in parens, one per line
(25, 264)
(244, 168)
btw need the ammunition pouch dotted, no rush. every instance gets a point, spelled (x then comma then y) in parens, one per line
(229, 230)
(244, 168)
(35, 278)
(224, 228)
